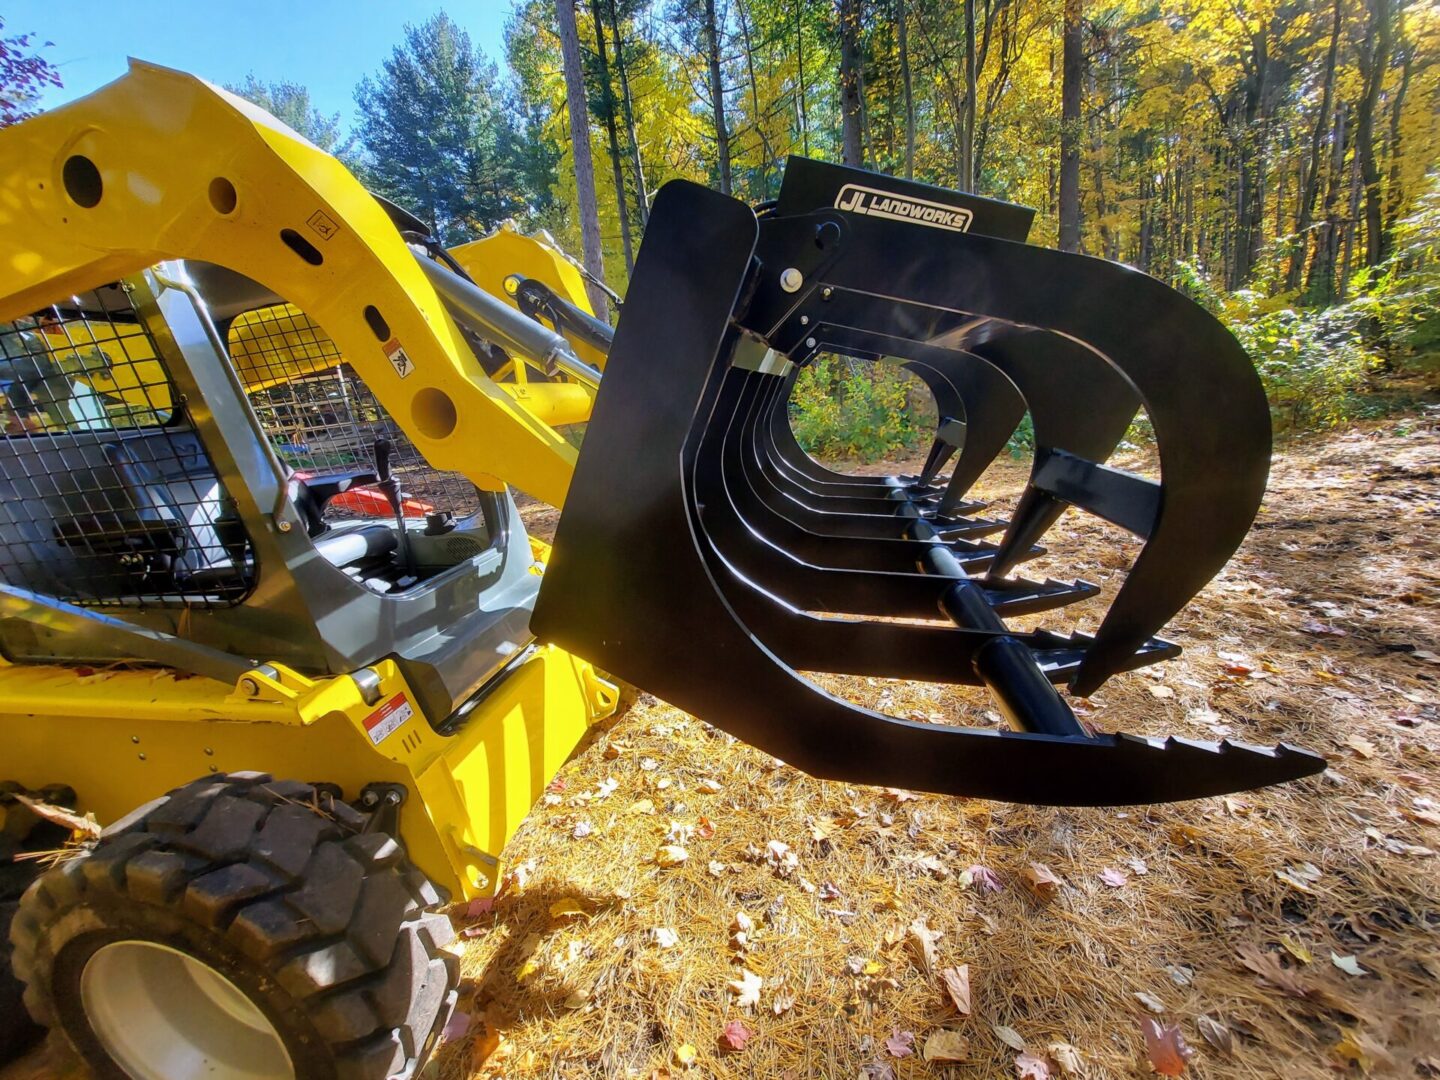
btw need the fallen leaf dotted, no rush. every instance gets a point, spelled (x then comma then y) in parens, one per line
(456, 1027)
(923, 939)
(1347, 964)
(641, 806)
(957, 985)
(710, 787)
(1162, 692)
(1114, 878)
(1150, 1001)
(1068, 1058)
(879, 1069)
(743, 923)
(782, 1002)
(1009, 1036)
(947, 1045)
(1297, 950)
(606, 788)
(1267, 965)
(685, 1054)
(1364, 747)
(705, 829)
(1165, 1047)
(746, 988)
(1041, 880)
(1139, 866)
(1238, 669)
(1030, 1067)
(900, 796)
(482, 906)
(982, 877)
(1215, 1033)
(735, 1036)
(1362, 1050)
(900, 1044)
(566, 909)
(1300, 876)
(671, 855)
(716, 868)
(58, 815)
(663, 936)
(780, 858)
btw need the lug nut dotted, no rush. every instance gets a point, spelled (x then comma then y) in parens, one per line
(791, 279)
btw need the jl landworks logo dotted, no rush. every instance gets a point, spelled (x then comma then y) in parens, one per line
(886, 204)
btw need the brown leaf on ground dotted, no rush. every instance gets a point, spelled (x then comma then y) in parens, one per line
(922, 941)
(1267, 965)
(1030, 1067)
(947, 1045)
(957, 985)
(1215, 1033)
(1165, 1047)
(734, 1037)
(1041, 880)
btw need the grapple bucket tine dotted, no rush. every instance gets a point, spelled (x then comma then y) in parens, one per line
(640, 579)
(1078, 403)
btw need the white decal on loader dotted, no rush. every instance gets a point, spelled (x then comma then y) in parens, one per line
(386, 720)
(886, 204)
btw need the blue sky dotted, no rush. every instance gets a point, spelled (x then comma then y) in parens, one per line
(327, 45)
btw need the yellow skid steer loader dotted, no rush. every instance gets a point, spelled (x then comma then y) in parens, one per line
(269, 614)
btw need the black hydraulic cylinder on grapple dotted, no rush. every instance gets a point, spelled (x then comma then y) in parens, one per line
(704, 556)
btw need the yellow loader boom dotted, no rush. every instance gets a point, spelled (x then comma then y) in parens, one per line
(162, 165)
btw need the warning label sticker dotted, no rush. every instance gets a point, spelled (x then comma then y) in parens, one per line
(399, 359)
(323, 225)
(386, 720)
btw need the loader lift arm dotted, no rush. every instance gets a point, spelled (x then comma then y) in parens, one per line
(115, 182)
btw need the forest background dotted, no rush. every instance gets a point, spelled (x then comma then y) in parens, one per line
(1276, 160)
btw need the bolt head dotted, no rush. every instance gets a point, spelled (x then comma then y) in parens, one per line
(791, 279)
(809, 343)
(283, 525)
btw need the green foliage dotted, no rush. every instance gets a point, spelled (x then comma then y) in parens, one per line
(289, 103)
(438, 137)
(847, 408)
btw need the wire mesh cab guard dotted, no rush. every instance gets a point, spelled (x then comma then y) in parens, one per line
(705, 558)
(108, 496)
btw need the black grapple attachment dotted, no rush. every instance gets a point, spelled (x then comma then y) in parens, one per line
(703, 556)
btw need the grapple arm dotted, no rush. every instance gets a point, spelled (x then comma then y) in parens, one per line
(704, 561)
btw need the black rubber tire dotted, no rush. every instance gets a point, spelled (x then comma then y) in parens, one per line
(331, 932)
(18, 1032)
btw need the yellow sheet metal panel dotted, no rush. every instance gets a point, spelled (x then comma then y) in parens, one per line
(123, 737)
(162, 165)
(507, 252)
(490, 776)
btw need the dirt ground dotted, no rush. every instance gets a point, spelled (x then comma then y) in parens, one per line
(1290, 932)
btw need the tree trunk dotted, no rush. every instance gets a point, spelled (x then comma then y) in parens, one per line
(800, 74)
(1395, 184)
(1373, 62)
(607, 114)
(769, 153)
(852, 148)
(1320, 282)
(586, 207)
(1072, 64)
(627, 105)
(967, 145)
(1311, 187)
(717, 96)
(905, 82)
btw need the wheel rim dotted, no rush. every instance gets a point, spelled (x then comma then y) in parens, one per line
(164, 1015)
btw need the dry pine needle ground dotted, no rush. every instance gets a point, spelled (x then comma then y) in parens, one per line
(1332, 608)
(599, 962)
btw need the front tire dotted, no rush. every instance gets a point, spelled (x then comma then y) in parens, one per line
(240, 929)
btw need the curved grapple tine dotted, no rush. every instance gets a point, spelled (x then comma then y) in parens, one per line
(629, 585)
(1079, 405)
